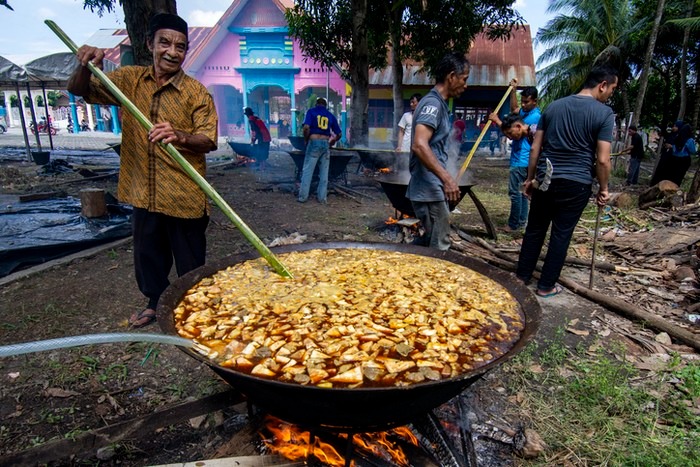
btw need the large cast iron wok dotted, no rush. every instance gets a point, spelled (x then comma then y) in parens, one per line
(244, 149)
(336, 169)
(395, 186)
(298, 142)
(375, 159)
(360, 409)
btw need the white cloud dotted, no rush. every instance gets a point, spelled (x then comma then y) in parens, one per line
(519, 4)
(203, 18)
(44, 12)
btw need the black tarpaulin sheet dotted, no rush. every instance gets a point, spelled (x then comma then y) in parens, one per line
(38, 231)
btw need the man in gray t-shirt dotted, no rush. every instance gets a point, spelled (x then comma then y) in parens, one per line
(432, 187)
(571, 145)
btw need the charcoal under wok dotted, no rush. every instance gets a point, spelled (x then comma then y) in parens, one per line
(360, 409)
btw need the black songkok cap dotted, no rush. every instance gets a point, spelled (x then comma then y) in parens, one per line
(167, 21)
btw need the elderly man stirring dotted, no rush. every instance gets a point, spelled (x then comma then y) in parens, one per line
(171, 212)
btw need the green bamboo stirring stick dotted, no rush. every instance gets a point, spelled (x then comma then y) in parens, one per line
(481, 136)
(175, 154)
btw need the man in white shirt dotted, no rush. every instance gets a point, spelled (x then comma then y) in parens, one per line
(405, 124)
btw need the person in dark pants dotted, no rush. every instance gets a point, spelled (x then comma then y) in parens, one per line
(260, 137)
(171, 212)
(663, 168)
(321, 131)
(683, 148)
(636, 152)
(571, 144)
(431, 187)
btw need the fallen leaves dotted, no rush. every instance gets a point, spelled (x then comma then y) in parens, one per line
(60, 393)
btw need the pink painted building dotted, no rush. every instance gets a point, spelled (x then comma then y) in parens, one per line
(249, 60)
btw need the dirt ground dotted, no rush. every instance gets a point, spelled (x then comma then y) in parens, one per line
(62, 393)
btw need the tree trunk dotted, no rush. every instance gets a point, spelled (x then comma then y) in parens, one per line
(694, 191)
(397, 67)
(625, 99)
(137, 14)
(359, 75)
(696, 107)
(684, 64)
(644, 79)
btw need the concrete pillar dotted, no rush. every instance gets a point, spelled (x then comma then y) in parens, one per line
(90, 117)
(293, 113)
(245, 104)
(10, 118)
(344, 126)
(116, 124)
(98, 116)
(74, 113)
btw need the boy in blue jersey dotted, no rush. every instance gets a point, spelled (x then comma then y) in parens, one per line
(529, 113)
(321, 131)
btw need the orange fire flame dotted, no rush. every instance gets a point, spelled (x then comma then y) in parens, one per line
(385, 170)
(243, 160)
(391, 220)
(291, 443)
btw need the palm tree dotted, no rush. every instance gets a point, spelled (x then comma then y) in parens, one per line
(584, 31)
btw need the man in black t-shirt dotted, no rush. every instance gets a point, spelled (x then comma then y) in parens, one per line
(636, 152)
(571, 145)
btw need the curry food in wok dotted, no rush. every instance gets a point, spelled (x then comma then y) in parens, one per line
(351, 318)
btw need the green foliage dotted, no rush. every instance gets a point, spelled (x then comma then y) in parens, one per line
(598, 407)
(100, 6)
(52, 97)
(690, 378)
(324, 28)
(584, 31)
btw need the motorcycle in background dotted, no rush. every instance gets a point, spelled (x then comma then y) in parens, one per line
(2, 129)
(43, 128)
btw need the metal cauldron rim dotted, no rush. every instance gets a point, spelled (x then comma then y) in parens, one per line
(530, 307)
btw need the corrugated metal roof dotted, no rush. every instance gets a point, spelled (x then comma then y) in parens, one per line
(493, 64)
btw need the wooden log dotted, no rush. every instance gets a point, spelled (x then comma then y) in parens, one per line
(660, 191)
(342, 192)
(39, 196)
(142, 426)
(618, 306)
(694, 191)
(490, 228)
(634, 313)
(92, 202)
(78, 180)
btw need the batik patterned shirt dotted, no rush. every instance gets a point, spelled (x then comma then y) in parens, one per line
(149, 177)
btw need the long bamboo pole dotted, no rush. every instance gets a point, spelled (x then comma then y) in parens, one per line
(175, 154)
(481, 135)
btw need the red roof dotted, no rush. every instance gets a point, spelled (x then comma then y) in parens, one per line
(492, 63)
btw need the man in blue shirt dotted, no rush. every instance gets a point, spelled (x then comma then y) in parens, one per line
(321, 131)
(520, 154)
(431, 187)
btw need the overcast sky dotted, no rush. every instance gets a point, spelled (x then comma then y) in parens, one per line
(24, 36)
